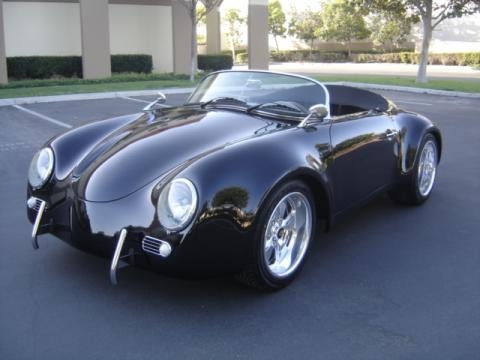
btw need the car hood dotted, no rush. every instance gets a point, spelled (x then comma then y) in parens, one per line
(150, 147)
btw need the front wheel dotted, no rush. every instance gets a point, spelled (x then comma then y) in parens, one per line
(282, 237)
(419, 186)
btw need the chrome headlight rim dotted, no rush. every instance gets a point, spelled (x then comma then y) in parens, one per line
(49, 171)
(163, 205)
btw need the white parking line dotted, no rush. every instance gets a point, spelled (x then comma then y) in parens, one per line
(133, 99)
(413, 102)
(46, 118)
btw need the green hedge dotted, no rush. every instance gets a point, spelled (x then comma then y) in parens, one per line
(132, 64)
(406, 57)
(214, 62)
(307, 55)
(45, 67)
(470, 59)
(242, 58)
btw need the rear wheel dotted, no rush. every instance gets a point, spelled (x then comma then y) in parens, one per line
(282, 237)
(420, 183)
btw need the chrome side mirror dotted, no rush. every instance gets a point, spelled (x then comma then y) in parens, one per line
(154, 105)
(318, 111)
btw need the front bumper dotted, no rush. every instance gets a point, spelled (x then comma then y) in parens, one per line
(203, 248)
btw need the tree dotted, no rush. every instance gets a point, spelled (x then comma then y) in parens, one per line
(344, 23)
(191, 6)
(431, 13)
(276, 20)
(234, 21)
(390, 29)
(306, 26)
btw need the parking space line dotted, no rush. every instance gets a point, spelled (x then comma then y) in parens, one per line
(413, 103)
(133, 99)
(46, 118)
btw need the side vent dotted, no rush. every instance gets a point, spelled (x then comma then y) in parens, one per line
(156, 246)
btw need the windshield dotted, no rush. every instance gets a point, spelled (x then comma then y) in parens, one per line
(263, 91)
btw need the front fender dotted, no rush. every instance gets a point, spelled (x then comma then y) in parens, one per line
(234, 182)
(74, 145)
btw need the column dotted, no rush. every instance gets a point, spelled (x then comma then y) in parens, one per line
(3, 55)
(95, 39)
(258, 52)
(213, 32)
(182, 29)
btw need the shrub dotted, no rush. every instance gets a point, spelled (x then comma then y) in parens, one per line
(242, 58)
(307, 55)
(406, 57)
(215, 62)
(472, 58)
(132, 64)
(45, 67)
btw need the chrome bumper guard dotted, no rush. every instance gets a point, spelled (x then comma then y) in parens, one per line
(116, 256)
(39, 206)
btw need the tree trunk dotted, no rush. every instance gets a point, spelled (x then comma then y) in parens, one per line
(234, 56)
(349, 48)
(193, 50)
(427, 37)
(276, 42)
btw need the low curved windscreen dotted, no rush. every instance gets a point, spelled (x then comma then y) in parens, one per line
(254, 88)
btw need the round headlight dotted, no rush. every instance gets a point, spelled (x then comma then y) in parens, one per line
(177, 204)
(41, 168)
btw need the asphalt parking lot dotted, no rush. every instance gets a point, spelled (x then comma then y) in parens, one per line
(388, 282)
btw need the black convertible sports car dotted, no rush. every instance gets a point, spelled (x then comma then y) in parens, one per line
(233, 180)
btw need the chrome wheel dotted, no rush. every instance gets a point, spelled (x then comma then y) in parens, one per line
(287, 234)
(427, 168)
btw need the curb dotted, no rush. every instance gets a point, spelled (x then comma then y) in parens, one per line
(409, 89)
(122, 94)
(91, 96)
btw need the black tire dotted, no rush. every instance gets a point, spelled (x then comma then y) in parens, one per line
(408, 192)
(257, 274)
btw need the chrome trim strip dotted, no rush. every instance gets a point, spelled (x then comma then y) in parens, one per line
(116, 256)
(36, 225)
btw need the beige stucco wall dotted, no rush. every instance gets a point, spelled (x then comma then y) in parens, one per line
(42, 28)
(143, 29)
(37, 28)
(456, 35)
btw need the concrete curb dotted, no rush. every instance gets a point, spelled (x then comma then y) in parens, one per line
(122, 94)
(409, 89)
(91, 96)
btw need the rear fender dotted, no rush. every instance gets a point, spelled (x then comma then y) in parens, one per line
(412, 129)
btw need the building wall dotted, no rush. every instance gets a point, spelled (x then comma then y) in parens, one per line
(42, 28)
(143, 29)
(456, 35)
(50, 28)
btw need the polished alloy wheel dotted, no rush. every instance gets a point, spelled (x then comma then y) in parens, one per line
(427, 168)
(287, 234)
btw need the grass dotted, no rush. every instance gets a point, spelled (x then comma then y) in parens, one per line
(465, 85)
(130, 82)
(123, 82)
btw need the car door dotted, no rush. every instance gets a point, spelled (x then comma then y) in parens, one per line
(364, 150)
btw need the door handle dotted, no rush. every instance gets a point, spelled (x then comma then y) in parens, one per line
(390, 134)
